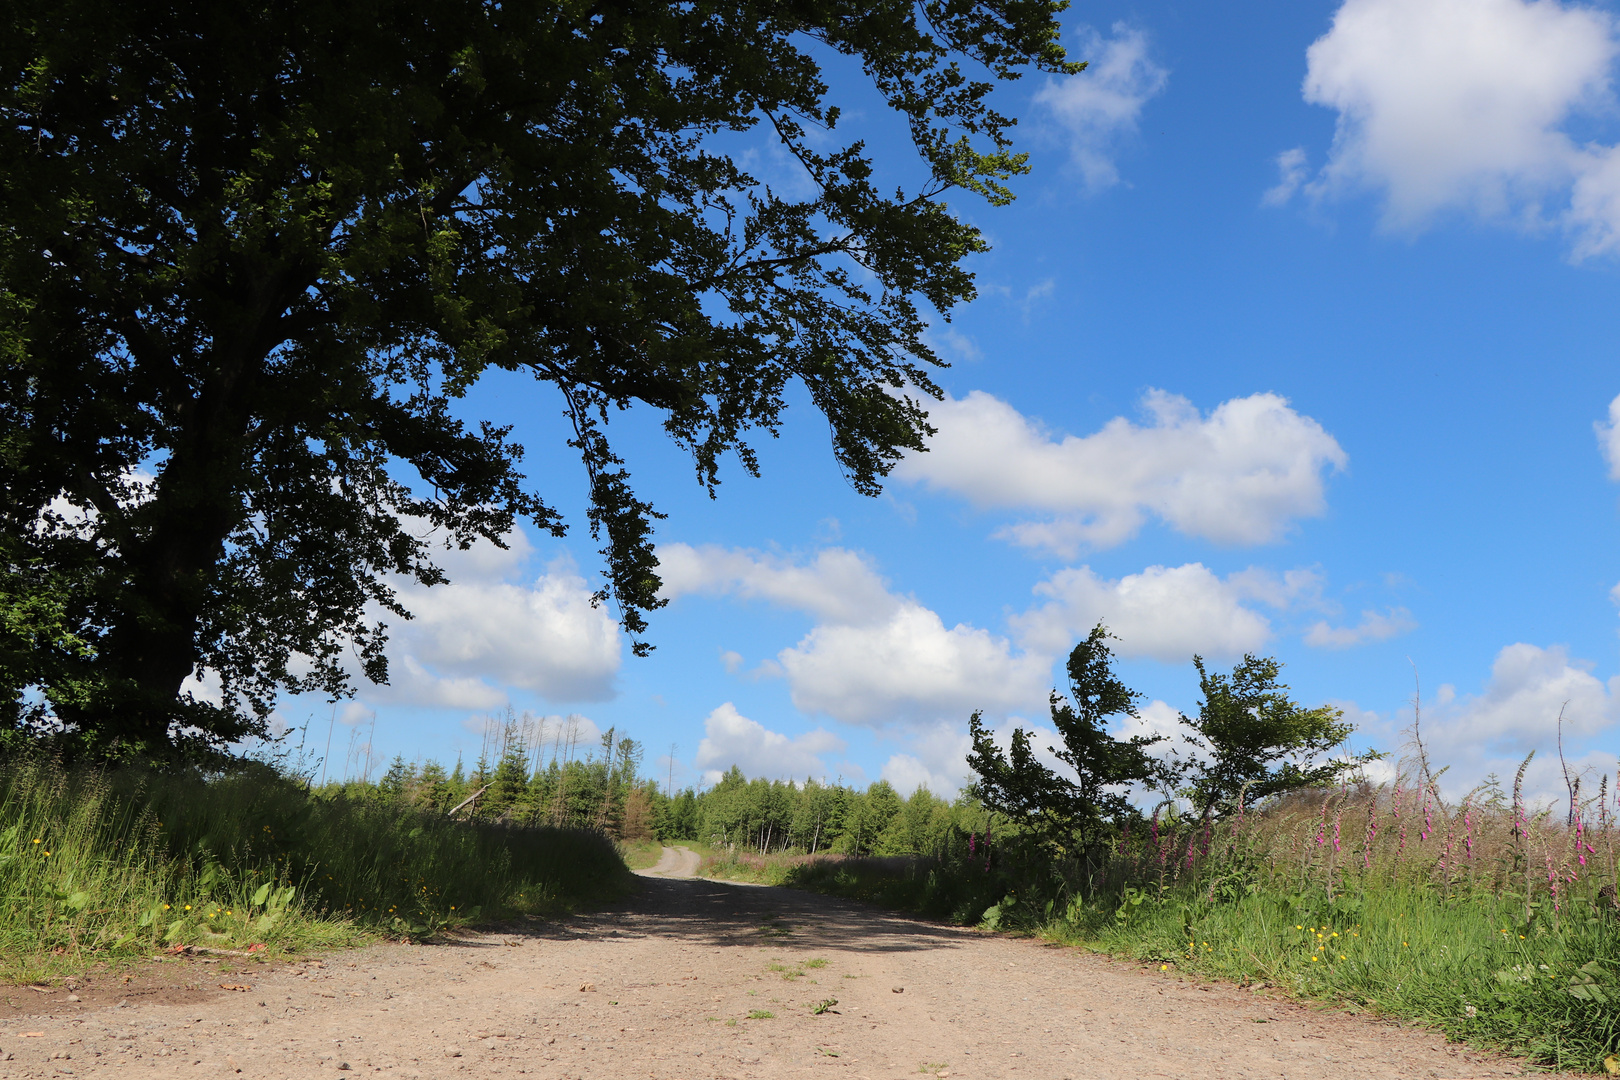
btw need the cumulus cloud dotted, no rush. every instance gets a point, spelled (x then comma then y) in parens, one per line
(1240, 475)
(1103, 104)
(1372, 627)
(909, 667)
(1467, 104)
(873, 657)
(1165, 612)
(837, 585)
(1518, 710)
(730, 738)
(1475, 735)
(1608, 434)
(491, 628)
(935, 757)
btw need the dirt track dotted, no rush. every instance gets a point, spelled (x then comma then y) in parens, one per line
(661, 987)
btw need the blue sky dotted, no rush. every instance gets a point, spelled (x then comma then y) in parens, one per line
(1298, 340)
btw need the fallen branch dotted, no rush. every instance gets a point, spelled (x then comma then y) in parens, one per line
(467, 800)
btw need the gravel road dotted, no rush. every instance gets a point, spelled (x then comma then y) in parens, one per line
(694, 979)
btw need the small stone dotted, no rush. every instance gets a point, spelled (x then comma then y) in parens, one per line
(587, 988)
(74, 997)
(899, 989)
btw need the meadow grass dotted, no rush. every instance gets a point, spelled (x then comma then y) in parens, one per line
(640, 854)
(108, 864)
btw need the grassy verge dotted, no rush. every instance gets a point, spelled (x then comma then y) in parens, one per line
(1473, 969)
(640, 854)
(1481, 968)
(98, 865)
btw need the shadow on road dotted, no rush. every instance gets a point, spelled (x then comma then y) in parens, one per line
(720, 913)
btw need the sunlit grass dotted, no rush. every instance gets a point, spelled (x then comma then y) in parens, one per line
(100, 865)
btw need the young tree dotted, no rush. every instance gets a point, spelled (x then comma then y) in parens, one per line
(253, 255)
(1258, 740)
(1072, 813)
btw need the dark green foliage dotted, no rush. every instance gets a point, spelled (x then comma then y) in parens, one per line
(1075, 814)
(253, 255)
(1259, 741)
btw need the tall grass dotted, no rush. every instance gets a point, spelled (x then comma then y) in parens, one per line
(101, 864)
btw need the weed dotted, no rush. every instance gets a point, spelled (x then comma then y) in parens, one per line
(824, 1005)
(761, 1014)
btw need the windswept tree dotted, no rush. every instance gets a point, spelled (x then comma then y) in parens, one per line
(1257, 741)
(1074, 811)
(253, 255)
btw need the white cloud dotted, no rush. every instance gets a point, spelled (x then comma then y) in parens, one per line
(1292, 173)
(873, 657)
(935, 757)
(1168, 613)
(838, 584)
(909, 667)
(1103, 104)
(1240, 475)
(731, 738)
(1608, 434)
(1519, 709)
(1465, 104)
(1373, 627)
(482, 633)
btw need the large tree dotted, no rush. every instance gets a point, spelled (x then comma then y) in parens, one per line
(252, 254)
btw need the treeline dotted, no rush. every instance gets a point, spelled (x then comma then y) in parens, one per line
(769, 816)
(524, 777)
(532, 773)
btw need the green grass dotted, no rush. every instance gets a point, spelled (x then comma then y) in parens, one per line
(1471, 968)
(640, 854)
(102, 865)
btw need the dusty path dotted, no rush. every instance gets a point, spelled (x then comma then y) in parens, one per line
(662, 987)
(675, 862)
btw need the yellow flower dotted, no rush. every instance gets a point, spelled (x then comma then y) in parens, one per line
(36, 841)
(1164, 967)
(1298, 927)
(188, 907)
(1313, 959)
(1341, 956)
(1335, 934)
(1403, 944)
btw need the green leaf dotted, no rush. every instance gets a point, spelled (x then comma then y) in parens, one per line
(262, 895)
